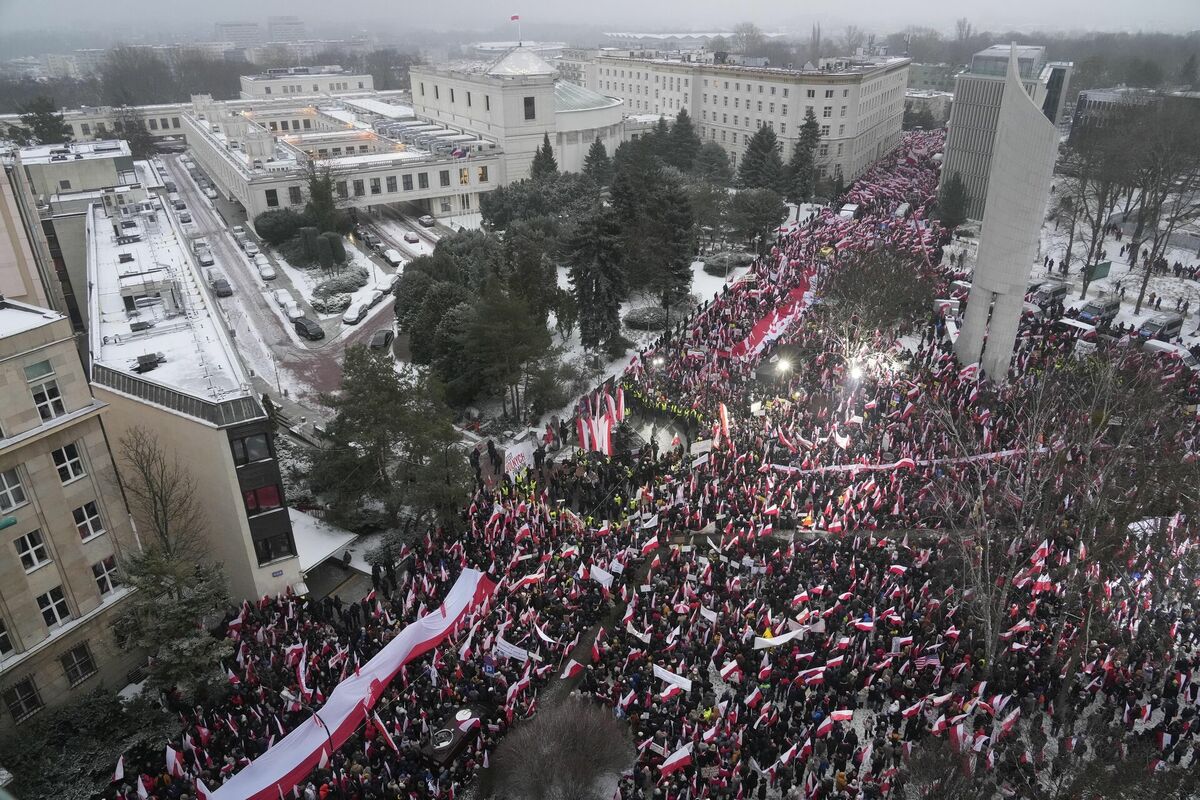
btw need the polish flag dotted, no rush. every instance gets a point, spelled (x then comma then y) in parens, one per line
(912, 710)
(825, 727)
(710, 735)
(119, 772)
(837, 661)
(729, 670)
(514, 18)
(788, 754)
(650, 546)
(677, 760)
(174, 762)
(202, 791)
(842, 715)
(843, 643)
(897, 569)
(671, 691)
(383, 731)
(869, 625)
(754, 698)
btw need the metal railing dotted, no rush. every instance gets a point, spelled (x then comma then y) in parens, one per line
(222, 413)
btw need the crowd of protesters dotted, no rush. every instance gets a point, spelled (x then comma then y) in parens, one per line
(759, 613)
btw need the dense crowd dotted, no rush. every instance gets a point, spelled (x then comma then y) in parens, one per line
(748, 660)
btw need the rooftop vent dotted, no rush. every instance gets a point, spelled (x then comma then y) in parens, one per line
(125, 258)
(149, 361)
(138, 327)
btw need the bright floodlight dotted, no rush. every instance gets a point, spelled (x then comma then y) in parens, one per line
(784, 365)
(658, 362)
(855, 371)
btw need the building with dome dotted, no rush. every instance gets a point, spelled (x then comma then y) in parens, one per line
(517, 100)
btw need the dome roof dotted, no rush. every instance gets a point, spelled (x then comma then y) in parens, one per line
(520, 61)
(572, 97)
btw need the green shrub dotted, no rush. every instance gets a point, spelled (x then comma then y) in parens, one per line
(343, 283)
(726, 261)
(278, 225)
(308, 237)
(332, 304)
(295, 253)
(336, 246)
(646, 318)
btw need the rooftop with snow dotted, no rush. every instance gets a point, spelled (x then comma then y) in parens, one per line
(151, 314)
(47, 153)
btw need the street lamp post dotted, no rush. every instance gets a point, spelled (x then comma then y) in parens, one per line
(291, 698)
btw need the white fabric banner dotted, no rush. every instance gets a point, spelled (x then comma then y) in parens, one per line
(601, 576)
(760, 643)
(672, 678)
(509, 650)
(278, 770)
(518, 456)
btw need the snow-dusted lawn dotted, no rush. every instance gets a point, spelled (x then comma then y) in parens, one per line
(305, 280)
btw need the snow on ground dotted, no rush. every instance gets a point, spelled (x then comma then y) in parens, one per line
(306, 280)
(1053, 243)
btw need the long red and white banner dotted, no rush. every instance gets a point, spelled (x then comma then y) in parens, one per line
(904, 463)
(773, 325)
(278, 770)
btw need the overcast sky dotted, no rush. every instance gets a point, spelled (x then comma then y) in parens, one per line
(875, 15)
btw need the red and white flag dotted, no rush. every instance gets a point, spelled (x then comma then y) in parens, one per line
(119, 772)
(573, 669)
(677, 760)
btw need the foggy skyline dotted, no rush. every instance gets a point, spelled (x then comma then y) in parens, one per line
(134, 18)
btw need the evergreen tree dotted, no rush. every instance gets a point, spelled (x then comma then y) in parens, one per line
(544, 165)
(129, 125)
(597, 279)
(597, 165)
(802, 169)
(761, 166)
(321, 208)
(41, 123)
(659, 140)
(712, 165)
(530, 271)
(952, 202)
(685, 142)
(754, 213)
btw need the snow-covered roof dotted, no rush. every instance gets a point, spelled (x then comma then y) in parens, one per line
(316, 540)
(389, 110)
(74, 151)
(192, 353)
(18, 317)
(572, 97)
(520, 61)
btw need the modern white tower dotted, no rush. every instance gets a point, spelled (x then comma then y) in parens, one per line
(1022, 165)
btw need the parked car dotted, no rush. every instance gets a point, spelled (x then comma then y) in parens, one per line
(412, 238)
(238, 231)
(282, 297)
(372, 241)
(392, 257)
(426, 221)
(393, 282)
(221, 288)
(265, 271)
(355, 313)
(251, 248)
(205, 257)
(308, 328)
(1178, 351)
(375, 297)
(1101, 311)
(210, 193)
(185, 218)
(179, 205)
(1163, 327)
(292, 310)
(170, 187)
(382, 339)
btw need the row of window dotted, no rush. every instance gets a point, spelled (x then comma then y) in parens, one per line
(296, 88)
(153, 123)
(487, 99)
(23, 699)
(296, 124)
(672, 81)
(387, 183)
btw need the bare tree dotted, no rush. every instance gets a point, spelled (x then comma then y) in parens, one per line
(814, 44)
(747, 38)
(573, 751)
(853, 39)
(162, 497)
(963, 33)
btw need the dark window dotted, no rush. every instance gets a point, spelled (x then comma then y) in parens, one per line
(272, 198)
(307, 124)
(174, 122)
(87, 520)
(487, 102)
(6, 645)
(283, 125)
(359, 188)
(69, 463)
(54, 608)
(423, 180)
(451, 94)
(262, 499)
(376, 186)
(78, 664)
(105, 573)
(273, 547)
(295, 196)
(341, 189)
(153, 124)
(391, 183)
(406, 182)
(251, 448)
(530, 111)
(22, 699)
(444, 177)
(85, 129)
(468, 99)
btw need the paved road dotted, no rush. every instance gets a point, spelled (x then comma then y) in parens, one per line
(264, 338)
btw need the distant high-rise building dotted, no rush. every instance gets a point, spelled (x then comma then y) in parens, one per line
(976, 110)
(242, 34)
(1021, 157)
(285, 29)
